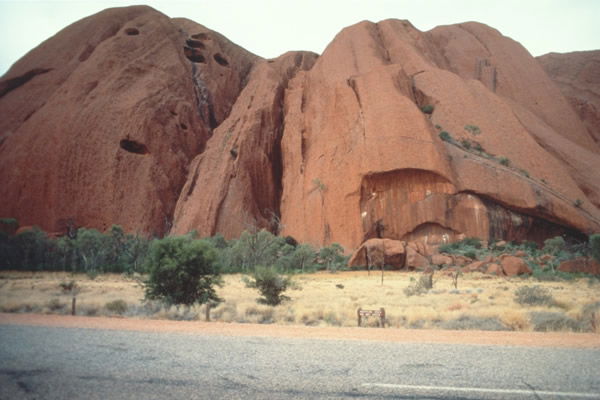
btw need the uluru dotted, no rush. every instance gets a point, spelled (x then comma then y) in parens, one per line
(164, 126)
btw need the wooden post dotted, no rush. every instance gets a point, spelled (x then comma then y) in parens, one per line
(207, 310)
(382, 316)
(73, 305)
(359, 317)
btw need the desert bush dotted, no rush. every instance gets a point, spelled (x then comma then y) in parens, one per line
(594, 243)
(533, 296)
(427, 109)
(270, 284)
(504, 161)
(420, 286)
(332, 257)
(445, 136)
(465, 143)
(253, 249)
(473, 129)
(182, 271)
(302, 258)
(9, 226)
(467, 322)
(116, 306)
(554, 245)
(546, 321)
(55, 305)
(466, 244)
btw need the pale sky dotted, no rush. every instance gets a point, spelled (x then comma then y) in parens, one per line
(269, 28)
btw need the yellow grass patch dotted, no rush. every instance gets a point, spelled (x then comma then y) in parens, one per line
(321, 299)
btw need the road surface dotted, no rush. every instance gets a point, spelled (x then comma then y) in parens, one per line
(40, 362)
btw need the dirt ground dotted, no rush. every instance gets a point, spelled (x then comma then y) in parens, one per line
(535, 339)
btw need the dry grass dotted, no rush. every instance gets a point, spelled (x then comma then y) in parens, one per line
(322, 299)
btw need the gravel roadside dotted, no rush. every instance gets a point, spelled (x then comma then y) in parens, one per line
(534, 339)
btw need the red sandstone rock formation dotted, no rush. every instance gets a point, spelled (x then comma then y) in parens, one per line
(362, 160)
(577, 75)
(160, 124)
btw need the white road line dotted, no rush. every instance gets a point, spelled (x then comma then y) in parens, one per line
(481, 390)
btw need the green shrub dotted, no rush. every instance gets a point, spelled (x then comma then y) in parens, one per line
(465, 143)
(578, 203)
(594, 243)
(427, 109)
(533, 296)
(473, 129)
(554, 245)
(182, 271)
(504, 161)
(445, 136)
(9, 225)
(270, 284)
(116, 307)
(461, 247)
(253, 249)
(332, 257)
(302, 258)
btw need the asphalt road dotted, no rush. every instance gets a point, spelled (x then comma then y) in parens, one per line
(74, 363)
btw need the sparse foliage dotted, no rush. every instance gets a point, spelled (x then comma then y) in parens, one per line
(533, 296)
(473, 129)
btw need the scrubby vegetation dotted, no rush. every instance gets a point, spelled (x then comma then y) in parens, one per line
(93, 252)
(187, 271)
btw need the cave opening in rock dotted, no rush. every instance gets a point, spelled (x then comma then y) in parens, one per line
(195, 44)
(194, 55)
(221, 60)
(132, 146)
(201, 36)
(132, 31)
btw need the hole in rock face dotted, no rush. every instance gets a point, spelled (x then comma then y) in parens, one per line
(221, 60)
(194, 55)
(133, 147)
(195, 44)
(132, 31)
(201, 36)
(183, 126)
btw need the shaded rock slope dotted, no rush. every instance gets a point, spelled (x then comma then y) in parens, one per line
(164, 126)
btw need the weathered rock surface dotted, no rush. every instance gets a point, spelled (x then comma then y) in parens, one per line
(100, 122)
(513, 266)
(378, 252)
(577, 75)
(162, 125)
(581, 264)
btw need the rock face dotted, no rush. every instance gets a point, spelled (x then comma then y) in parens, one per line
(100, 123)
(375, 253)
(581, 264)
(577, 75)
(513, 266)
(162, 125)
